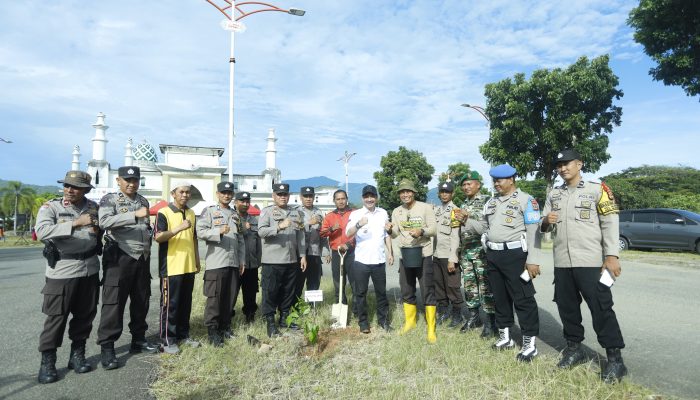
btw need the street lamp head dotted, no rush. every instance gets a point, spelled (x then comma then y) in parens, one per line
(466, 105)
(297, 12)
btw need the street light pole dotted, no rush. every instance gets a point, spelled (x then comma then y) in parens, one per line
(481, 111)
(234, 26)
(346, 159)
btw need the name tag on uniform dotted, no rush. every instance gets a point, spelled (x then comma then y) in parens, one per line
(313, 295)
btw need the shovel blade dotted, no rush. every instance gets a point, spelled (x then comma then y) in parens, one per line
(339, 312)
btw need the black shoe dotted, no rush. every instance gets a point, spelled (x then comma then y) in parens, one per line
(77, 361)
(473, 322)
(456, 317)
(572, 355)
(227, 333)
(143, 346)
(365, 329)
(386, 326)
(249, 318)
(215, 338)
(615, 369)
(47, 370)
(109, 359)
(490, 329)
(443, 315)
(272, 326)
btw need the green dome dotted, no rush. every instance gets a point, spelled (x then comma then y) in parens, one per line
(145, 152)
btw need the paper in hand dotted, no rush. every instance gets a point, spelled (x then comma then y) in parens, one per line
(525, 276)
(606, 278)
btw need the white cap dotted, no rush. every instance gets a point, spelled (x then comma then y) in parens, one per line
(174, 184)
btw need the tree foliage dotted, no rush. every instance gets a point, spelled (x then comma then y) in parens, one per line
(536, 188)
(656, 186)
(16, 198)
(669, 30)
(455, 172)
(531, 120)
(398, 165)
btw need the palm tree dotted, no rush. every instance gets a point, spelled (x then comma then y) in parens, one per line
(17, 197)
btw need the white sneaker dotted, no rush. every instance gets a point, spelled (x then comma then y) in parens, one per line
(504, 341)
(190, 342)
(171, 349)
(529, 350)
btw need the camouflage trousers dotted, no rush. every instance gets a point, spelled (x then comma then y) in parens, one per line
(476, 284)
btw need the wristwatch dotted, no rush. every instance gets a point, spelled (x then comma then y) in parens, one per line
(358, 226)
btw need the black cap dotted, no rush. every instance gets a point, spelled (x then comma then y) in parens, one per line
(129, 172)
(307, 191)
(567, 155)
(280, 188)
(446, 187)
(224, 187)
(369, 189)
(242, 196)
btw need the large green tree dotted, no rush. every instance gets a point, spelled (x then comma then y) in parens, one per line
(17, 197)
(531, 120)
(398, 165)
(656, 186)
(669, 30)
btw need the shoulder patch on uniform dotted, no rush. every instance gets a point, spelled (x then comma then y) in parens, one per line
(607, 205)
(532, 212)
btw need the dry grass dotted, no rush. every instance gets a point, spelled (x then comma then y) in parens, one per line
(349, 365)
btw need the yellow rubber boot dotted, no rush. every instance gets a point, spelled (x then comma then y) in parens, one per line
(430, 319)
(409, 312)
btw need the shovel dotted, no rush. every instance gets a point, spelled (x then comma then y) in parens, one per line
(339, 311)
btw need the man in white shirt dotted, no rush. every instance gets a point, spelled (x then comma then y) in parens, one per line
(369, 225)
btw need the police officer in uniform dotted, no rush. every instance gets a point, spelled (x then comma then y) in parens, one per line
(220, 227)
(473, 257)
(281, 229)
(583, 219)
(253, 253)
(512, 255)
(128, 233)
(313, 218)
(413, 222)
(68, 227)
(445, 261)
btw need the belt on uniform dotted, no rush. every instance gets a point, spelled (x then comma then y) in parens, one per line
(79, 256)
(504, 246)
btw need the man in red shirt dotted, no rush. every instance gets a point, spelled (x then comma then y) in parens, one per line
(333, 228)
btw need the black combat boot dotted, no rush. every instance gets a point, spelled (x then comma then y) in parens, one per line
(615, 369)
(77, 361)
(47, 370)
(227, 333)
(473, 322)
(215, 338)
(456, 317)
(442, 314)
(250, 318)
(109, 359)
(573, 354)
(490, 329)
(272, 326)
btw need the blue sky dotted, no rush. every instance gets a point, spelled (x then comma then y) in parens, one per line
(363, 76)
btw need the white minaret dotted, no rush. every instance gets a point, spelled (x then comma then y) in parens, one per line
(99, 142)
(75, 164)
(129, 153)
(271, 153)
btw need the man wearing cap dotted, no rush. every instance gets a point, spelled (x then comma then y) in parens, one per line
(513, 260)
(413, 222)
(473, 258)
(584, 222)
(281, 229)
(370, 227)
(126, 260)
(253, 253)
(313, 218)
(69, 229)
(334, 226)
(220, 227)
(445, 261)
(178, 262)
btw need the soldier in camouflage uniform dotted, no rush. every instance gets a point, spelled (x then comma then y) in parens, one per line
(472, 260)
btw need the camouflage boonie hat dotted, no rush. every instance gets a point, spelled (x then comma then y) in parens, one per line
(77, 179)
(406, 184)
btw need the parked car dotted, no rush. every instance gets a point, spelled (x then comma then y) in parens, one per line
(660, 228)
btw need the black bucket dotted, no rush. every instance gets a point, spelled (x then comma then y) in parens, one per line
(412, 257)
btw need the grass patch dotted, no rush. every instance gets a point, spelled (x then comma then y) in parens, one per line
(347, 364)
(15, 241)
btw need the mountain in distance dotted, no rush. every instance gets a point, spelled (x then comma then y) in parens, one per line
(39, 189)
(354, 189)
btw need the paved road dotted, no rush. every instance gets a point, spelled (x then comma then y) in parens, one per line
(657, 305)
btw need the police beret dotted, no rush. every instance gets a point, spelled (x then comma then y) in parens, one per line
(307, 191)
(502, 171)
(280, 188)
(77, 179)
(224, 187)
(446, 187)
(129, 172)
(470, 176)
(242, 196)
(567, 155)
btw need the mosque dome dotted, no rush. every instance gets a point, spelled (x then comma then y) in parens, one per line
(145, 152)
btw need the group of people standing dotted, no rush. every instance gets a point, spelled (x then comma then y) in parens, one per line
(488, 247)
